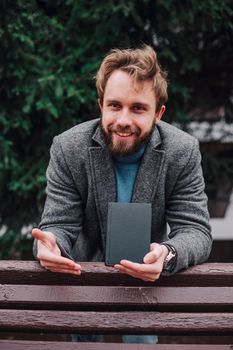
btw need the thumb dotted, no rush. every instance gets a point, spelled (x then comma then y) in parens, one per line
(152, 256)
(44, 237)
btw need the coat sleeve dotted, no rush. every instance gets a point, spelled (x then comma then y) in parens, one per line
(187, 215)
(63, 212)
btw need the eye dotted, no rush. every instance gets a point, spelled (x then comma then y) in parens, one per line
(138, 108)
(114, 105)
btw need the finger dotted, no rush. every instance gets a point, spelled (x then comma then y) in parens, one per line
(48, 265)
(136, 267)
(56, 259)
(44, 236)
(144, 277)
(142, 268)
(72, 272)
(151, 257)
(127, 270)
(152, 246)
(156, 252)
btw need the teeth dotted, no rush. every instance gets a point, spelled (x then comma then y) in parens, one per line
(122, 134)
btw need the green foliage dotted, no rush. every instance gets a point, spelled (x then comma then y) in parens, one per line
(15, 246)
(50, 51)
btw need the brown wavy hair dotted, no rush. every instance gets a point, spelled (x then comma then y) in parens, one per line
(141, 64)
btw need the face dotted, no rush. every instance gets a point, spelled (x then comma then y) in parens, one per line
(128, 113)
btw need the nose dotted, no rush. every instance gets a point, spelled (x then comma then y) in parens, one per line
(124, 118)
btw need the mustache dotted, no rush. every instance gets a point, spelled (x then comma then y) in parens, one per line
(126, 129)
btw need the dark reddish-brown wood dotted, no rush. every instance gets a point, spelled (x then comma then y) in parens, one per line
(102, 300)
(26, 345)
(30, 272)
(22, 345)
(117, 322)
(105, 298)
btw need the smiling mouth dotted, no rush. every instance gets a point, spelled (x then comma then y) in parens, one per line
(124, 134)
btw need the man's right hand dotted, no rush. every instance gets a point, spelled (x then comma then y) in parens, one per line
(49, 254)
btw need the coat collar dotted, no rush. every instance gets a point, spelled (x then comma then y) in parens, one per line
(103, 175)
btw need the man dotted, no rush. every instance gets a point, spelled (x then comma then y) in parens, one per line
(129, 155)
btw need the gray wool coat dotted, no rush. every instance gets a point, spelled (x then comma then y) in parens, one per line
(81, 182)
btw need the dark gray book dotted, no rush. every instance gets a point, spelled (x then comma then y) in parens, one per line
(128, 232)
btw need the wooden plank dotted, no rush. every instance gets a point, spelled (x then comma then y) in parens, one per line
(42, 345)
(30, 272)
(100, 298)
(116, 322)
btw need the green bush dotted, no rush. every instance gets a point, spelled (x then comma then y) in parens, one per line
(50, 51)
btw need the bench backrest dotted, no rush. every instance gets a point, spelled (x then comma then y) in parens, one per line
(198, 301)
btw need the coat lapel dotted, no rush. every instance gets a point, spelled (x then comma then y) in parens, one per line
(149, 171)
(103, 177)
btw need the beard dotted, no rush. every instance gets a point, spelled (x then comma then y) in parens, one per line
(124, 148)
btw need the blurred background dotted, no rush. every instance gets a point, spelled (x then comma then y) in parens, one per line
(49, 54)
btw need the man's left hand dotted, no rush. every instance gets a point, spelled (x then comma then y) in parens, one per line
(153, 264)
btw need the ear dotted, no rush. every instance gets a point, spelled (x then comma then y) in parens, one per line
(159, 114)
(100, 103)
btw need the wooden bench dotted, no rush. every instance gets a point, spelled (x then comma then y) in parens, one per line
(195, 302)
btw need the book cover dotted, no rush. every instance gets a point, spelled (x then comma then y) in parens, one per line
(128, 232)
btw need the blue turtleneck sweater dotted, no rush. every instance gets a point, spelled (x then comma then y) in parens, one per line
(126, 169)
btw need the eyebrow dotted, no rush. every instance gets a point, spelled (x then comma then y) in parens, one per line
(144, 104)
(110, 100)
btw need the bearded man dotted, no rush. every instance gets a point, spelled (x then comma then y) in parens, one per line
(128, 155)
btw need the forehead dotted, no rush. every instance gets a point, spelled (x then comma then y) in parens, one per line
(121, 85)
